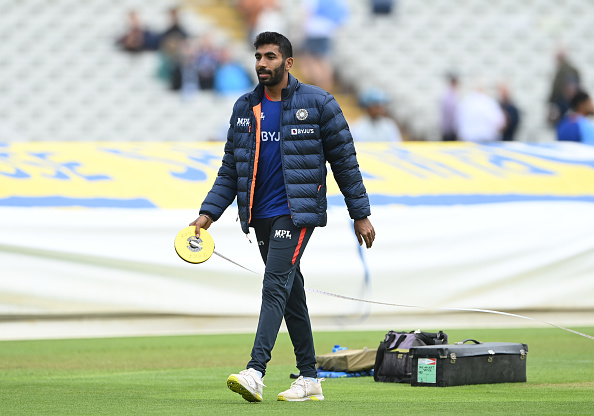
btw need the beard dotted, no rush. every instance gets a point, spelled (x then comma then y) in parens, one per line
(276, 76)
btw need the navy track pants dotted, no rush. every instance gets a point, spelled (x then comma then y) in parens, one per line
(281, 245)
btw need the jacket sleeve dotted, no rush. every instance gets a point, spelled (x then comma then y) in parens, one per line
(224, 189)
(339, 151)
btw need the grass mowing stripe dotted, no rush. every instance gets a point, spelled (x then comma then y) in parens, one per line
(186, 375)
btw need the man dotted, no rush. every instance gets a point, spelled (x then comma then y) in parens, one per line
(511, 112)
(376, 125)
(575, 125)
(479, 118)
(448, 109)
(280, 136)
(566, 82)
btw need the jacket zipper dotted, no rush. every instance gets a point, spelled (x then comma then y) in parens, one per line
(257, 113)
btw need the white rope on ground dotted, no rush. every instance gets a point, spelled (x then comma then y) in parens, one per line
(321, 292)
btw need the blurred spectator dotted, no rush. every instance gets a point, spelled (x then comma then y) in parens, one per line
(251, 11)
(511, 112)
(323, 17)
(479, 118)
(575, 126)
(566, 82)
(169, 61)
(448, 109)
(270, 19)
(231, 78)
(207, 61)
(137, 38)
(375, 125)
(190, 64)
(381, 7)
(185, 76)
(175, 29)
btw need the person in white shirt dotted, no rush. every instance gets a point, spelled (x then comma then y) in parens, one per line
(479, 118)
(375, 125)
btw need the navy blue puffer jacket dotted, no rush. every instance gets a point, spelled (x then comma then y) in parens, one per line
(313, 131)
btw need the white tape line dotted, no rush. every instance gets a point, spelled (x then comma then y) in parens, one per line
(235, 263)
(321, 292)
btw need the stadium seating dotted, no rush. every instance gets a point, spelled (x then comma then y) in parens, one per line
(408, 53)
(63, 78)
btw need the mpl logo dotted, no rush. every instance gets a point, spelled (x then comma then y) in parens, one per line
(243, 122)
(295, 132)
(282, 234)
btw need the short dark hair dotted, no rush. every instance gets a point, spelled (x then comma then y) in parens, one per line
(578, 99)
(274, 38)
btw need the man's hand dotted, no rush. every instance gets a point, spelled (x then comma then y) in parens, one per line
(203, 221)
(364, 232)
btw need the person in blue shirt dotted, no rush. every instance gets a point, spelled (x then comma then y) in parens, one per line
(230, 77)
(280, 137)
(575, 126)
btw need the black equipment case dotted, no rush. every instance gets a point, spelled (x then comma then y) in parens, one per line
(460, 364)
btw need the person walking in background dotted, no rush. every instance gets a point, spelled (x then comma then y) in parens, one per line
(448, 108)
(511, 112)
(575, 125)
(375, 125)
(280, 137)
(323, 17)
(566, 83)
(479, 117)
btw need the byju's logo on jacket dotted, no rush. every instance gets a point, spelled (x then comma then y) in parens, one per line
(295, 132)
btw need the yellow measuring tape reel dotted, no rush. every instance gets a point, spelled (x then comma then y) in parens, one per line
(194, 249)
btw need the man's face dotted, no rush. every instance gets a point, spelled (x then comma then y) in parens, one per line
(376, 111)
(270, 65)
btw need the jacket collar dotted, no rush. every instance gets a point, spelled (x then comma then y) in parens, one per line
(258, 92)
(291, 87)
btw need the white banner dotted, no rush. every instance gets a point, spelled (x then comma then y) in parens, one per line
(503, 256)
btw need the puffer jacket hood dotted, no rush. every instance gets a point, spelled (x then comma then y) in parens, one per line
(313, 132)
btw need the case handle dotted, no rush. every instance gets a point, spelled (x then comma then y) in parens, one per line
(466, 340)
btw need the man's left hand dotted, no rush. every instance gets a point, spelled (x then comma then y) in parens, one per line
(364, 232)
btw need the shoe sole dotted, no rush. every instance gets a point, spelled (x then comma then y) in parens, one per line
(314, 398)
(235, 386)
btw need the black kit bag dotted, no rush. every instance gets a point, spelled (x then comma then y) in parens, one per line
(463, 364)
(392, 361)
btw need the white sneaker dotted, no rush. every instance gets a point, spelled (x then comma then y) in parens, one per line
(247, 383)
(303, 389)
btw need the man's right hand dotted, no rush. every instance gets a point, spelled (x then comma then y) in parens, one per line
(202, 221)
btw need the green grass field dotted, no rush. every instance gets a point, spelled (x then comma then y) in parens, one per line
(187, 375)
